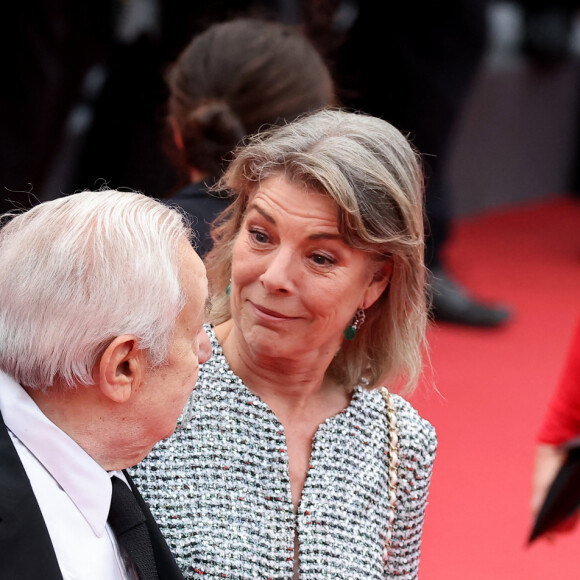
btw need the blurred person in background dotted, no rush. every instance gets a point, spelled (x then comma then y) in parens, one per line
(232, 79)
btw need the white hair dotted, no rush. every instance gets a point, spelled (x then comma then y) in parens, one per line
(81, 270)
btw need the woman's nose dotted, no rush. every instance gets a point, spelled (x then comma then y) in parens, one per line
(279, 273)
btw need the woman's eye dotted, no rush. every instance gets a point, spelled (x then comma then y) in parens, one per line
(322, 260)
(259, 236)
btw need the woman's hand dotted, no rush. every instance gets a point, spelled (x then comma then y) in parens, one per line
(549, 459)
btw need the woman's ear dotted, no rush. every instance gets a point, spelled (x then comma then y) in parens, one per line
(177, 137)
(195, 175)
(120, 370)
(378, 284)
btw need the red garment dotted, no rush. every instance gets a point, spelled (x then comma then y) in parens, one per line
(561, 421)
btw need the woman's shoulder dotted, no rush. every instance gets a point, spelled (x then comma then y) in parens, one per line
(417, 436)
(410, 418)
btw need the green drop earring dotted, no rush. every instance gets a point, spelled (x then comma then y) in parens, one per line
(357, 322)
(229, 289)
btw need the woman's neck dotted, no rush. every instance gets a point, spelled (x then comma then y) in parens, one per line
(296, 391)
(289, 387)
(197, 176)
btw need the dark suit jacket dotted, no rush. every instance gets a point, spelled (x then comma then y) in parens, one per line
(202, 207)
(26, 551)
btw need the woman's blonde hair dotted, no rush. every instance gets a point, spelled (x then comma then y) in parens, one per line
(374, 175)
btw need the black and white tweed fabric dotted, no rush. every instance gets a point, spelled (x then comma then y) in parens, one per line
(220, 487)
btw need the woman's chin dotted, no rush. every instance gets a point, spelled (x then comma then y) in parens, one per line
(272, 342)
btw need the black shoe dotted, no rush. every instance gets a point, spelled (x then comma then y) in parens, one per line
(451, 303)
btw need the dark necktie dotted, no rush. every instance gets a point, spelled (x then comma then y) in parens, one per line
(127, 520)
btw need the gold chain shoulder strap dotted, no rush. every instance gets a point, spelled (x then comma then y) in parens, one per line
(393, 464)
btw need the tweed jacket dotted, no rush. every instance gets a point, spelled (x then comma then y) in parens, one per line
(220, 487)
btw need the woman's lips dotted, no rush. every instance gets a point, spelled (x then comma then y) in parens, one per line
(270, 314)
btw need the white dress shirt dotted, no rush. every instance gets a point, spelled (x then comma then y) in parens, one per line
(72, 490)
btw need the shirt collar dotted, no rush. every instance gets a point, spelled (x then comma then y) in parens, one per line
(80, 476)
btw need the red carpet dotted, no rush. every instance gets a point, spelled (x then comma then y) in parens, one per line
(494, 385)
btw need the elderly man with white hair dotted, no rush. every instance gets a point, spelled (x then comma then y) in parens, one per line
(102, 302)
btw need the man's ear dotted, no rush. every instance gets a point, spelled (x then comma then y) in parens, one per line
(378, 284)
(119, 371)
